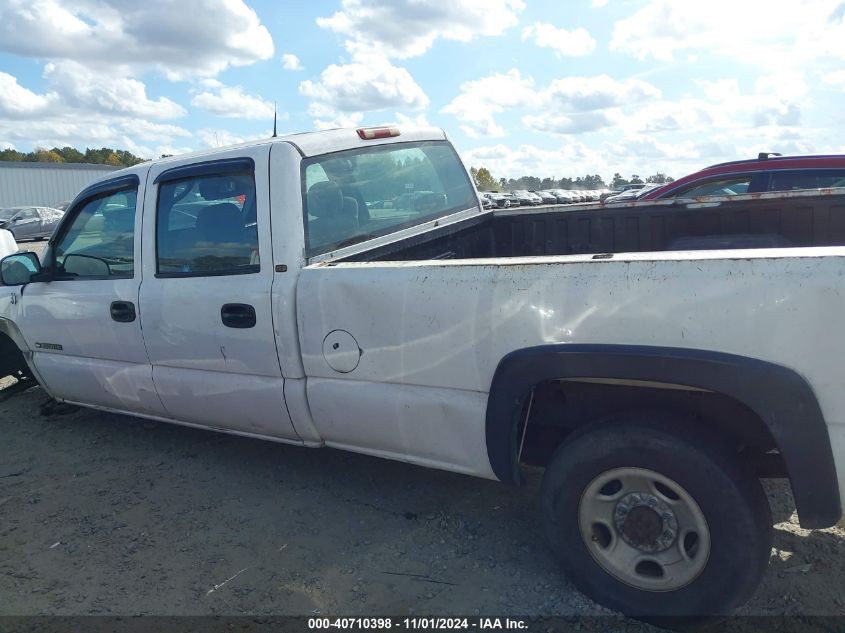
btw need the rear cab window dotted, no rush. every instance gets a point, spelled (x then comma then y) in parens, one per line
(359, 194)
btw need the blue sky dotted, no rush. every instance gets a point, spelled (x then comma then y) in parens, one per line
(523, 87)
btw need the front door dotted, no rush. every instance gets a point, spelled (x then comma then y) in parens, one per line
(83, 326)
(206, 309)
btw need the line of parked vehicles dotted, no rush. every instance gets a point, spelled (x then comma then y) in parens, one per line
(525, 198)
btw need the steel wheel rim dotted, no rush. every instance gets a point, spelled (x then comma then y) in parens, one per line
(644, 529)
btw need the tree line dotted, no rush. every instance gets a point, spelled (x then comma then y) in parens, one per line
(485, 181)
(482, 177)
(102, 156)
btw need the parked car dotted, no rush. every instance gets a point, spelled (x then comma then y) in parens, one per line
(631, 194)
(500, 200)
(618, 190)
(512, 199)
(30, 223)
(486, 202)
(768, 172)
(546, 197)
(656, 383)
(561, 196)
(526, 198)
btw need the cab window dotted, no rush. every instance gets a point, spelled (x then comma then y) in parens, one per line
(99, 242)
(207, 225)
(359, 194)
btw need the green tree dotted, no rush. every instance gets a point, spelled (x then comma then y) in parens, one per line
(70, 154)
(636, 180)
(618, 181)
(114, 160)
(42, 155)
(658, 178)
(11, 155)
(484, 179)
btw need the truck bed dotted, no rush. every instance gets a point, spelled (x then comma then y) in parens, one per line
(800, 219)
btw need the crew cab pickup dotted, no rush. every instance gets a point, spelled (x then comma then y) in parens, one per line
(345, 288)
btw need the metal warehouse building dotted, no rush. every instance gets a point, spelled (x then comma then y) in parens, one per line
(45, 184)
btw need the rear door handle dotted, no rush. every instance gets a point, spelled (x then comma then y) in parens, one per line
(122, 311)
(238, 315)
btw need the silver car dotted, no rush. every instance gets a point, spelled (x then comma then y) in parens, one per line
(30, 223)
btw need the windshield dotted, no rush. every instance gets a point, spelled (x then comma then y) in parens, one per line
(5, 214)
(359, 194)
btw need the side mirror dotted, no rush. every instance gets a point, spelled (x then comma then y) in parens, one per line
(86, 266)
(18, 269)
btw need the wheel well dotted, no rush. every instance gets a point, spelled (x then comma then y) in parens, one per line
(12, 361)
(560, 407)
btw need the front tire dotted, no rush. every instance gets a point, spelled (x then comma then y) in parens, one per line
(652, 517)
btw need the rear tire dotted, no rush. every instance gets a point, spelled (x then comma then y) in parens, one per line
(655, 518)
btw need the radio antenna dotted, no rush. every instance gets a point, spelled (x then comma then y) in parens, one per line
(274, 119)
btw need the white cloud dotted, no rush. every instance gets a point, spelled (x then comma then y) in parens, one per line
(566, 106)
(332, 120)
(232, 102)
(156, 132)
(81, 87)
(835, 78)
(583, 94)
(574, 43)
(197, 37)
(569, 159)
(569, 124)
(291, 62)
(210, 137)
(19, 102)
(369, 82)
(480, 99)
(781, 35)
(596, 4)
(419, 121)
(408, 28)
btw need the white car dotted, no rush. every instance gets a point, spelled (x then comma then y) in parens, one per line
(657, 370)
(8, 245)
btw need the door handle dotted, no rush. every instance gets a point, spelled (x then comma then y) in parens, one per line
(238, 315)
(122, 311)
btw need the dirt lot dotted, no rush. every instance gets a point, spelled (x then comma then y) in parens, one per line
(105, 514)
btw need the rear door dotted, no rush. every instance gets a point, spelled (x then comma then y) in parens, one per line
(206, 303)
(83, 325)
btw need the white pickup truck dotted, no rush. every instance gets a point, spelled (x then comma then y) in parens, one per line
(346, 289)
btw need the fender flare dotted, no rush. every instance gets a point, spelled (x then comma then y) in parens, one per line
(11, 330)
(782, 399)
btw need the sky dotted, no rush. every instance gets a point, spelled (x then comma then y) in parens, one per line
(523, 87)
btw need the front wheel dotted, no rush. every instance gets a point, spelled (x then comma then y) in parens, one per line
(656, 519)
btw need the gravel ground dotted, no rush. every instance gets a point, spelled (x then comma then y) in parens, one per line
(107, 514)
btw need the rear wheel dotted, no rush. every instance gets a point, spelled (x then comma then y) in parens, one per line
(656, 519)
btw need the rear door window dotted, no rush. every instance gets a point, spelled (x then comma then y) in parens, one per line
(796, 179)
(207, 225)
